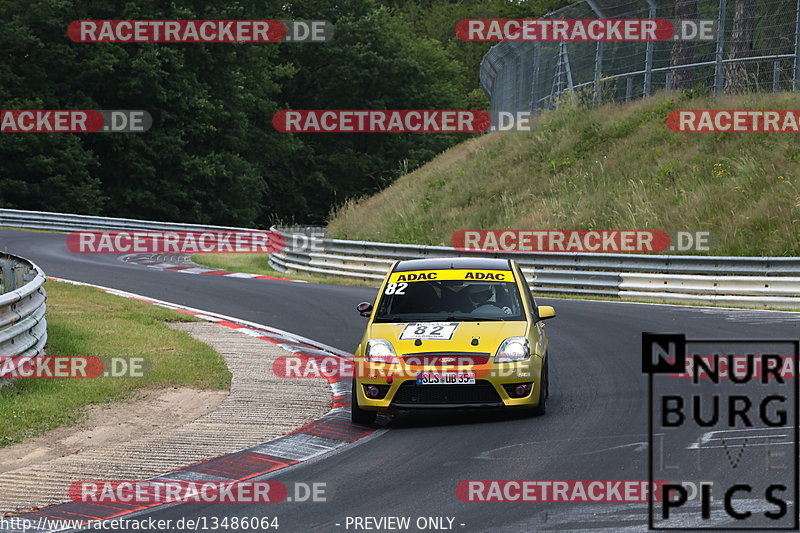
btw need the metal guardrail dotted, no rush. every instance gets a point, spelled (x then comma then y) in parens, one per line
(43, 220)
(744, 281)
(23, 327)
(740, 281)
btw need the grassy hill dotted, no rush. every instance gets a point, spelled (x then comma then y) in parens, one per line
(614, 167)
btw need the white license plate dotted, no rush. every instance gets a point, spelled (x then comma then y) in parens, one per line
(429, 331)
(446, 378)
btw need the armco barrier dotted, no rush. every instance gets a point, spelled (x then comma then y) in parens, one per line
(23, 328)
(740, 281)
(43, 220)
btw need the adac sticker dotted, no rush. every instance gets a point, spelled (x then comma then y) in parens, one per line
(452, 274)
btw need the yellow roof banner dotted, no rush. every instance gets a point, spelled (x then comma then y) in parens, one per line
(452, 274)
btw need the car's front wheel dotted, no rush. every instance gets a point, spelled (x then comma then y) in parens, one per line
(357, 414)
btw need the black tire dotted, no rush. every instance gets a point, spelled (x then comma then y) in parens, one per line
(358, 415)
(541, 409)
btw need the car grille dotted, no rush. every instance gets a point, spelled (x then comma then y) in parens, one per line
(446, 358)
(411, 393)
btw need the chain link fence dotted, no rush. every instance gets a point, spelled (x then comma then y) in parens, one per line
(755, 48)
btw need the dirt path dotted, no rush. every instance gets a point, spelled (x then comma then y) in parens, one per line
(151, 411)
(166, 430)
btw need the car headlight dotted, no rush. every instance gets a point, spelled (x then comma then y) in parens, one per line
(513, 349)
(380, 351)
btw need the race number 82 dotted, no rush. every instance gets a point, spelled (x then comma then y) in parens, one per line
(396, 288)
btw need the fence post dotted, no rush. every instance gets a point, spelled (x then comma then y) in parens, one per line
(718, 73)
(598, 54)
(776, 75)
(796, 76)
(568, 70)
(668, 81)
(648, 58)
(562, 68)
(555, 89)
(598, 66)
(520, 71)
(537, 49)
(628, 89)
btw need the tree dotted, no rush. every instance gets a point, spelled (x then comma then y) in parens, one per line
(375, 61)
(683, 51)
(741, 44)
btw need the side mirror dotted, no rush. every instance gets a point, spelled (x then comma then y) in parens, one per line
(365, 308)
(545, 312)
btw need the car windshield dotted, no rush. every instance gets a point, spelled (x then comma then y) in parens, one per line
(437, 300)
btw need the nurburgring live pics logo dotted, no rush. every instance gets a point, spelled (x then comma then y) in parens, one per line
(738, 414)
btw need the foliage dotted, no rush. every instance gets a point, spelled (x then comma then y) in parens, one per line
(212, 155)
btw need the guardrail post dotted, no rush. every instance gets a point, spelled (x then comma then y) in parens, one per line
(718, 70)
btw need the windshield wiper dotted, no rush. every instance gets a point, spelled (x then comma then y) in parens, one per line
(469, 318)
(451, 318)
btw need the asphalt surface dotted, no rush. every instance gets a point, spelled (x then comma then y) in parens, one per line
(596, 427)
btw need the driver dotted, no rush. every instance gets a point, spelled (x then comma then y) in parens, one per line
(479, 296)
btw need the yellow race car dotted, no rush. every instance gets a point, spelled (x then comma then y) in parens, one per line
(451, 333)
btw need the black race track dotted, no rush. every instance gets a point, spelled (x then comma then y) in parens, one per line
(594, 429)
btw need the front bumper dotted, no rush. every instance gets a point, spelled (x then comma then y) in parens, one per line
(488, 391)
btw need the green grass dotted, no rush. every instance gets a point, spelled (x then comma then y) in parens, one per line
(258, 264)
(89, 322)
(614, 167)
(31, 230)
